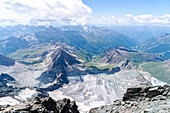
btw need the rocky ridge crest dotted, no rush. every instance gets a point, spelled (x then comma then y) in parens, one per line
(43, 105)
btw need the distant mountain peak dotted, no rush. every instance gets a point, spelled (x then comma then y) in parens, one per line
(58, 67)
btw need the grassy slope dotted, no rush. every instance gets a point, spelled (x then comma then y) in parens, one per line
(138, 58)
(83, 54)
(160, 70)
(20, 55)
(106, 67)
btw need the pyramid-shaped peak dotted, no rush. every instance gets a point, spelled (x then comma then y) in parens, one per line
(60, 57)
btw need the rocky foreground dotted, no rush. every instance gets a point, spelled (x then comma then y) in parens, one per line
(43, 105)
(140, 99)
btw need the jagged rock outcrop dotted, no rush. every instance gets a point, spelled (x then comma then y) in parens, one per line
(6, 61)
(44, 105)
(140, 99)
(143, 91)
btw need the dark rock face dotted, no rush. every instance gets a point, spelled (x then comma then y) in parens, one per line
(154, 91)
(6, 61)
(44, 105)
(142, 92)
(140, 99)
(6, 78)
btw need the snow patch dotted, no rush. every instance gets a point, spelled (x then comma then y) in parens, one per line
(8, 101)
(25, 94)
(156, 82)
(58, 95)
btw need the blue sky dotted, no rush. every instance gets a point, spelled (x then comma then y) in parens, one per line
(81, 12)
(120, 8)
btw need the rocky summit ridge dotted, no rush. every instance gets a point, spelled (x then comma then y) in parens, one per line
(43, 105)
(140, 99)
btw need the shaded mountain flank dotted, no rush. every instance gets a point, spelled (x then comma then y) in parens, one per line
(6, 61)
(11, 45)
(158, 45)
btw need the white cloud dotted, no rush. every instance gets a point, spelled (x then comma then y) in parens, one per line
(59, 12)
(130, 19)
(43, 12)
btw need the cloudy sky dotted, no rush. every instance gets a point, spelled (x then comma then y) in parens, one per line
(93, 12)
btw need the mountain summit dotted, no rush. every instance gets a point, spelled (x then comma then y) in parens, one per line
(62, 58)
(58, 65)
